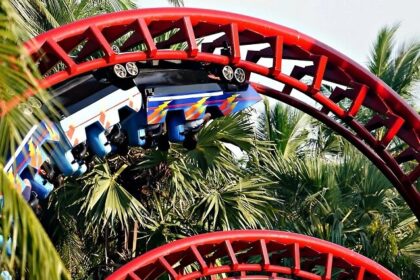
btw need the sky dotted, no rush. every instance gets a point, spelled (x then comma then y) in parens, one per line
(348, 26)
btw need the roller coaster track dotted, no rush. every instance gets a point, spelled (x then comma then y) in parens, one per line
(251, 254)
(86, 45)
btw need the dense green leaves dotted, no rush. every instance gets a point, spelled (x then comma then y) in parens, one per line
(164, 195)
(37, 16)
(286, 127)
(245, 204)
(33, 255)
(399, 67)
(210, 184)
(344, 199)
(380, 60)
(106, 201)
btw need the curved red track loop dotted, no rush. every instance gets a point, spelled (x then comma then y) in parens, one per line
(85, 45)
(251, 254)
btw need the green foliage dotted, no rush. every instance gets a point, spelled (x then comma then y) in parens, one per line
(162, 196)
(106, 201)
(382, 51)
(33, 255)
(211, 157)
(398, 67)
(348, 202)
(177, 3)
(211, 184)
(286, 127)
(244, 204)
(38, 16)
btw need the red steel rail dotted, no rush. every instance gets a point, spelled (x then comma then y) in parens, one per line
(251, 254)
(85, 45)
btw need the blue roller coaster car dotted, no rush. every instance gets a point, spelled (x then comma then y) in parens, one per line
(126, 105)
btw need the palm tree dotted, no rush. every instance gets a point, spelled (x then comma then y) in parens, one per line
(32, 254)
(209, 188)
(399, 67)
(38, 16)
(347, 201)
(286, 127)
(295, 133)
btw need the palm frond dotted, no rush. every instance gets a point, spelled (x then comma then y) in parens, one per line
(235, 129)
(33, 256)
(406, 70)
(165, 223)
(210, 157)
(176, 3)
(181, 171)
(380, 57)
(107, 202)
(244, 204)
(38, 16)
(286, 127)
(399, 68)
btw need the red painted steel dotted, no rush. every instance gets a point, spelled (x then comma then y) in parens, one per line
(251, 254)
(85, 46)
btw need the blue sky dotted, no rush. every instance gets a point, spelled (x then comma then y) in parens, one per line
(346, 25)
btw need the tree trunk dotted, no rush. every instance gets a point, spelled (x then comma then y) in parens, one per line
(134, 247)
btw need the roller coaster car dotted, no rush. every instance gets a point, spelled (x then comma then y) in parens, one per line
(178, 99)
(90, 123)
(40, 185)
(28, 167)
(125, 105)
